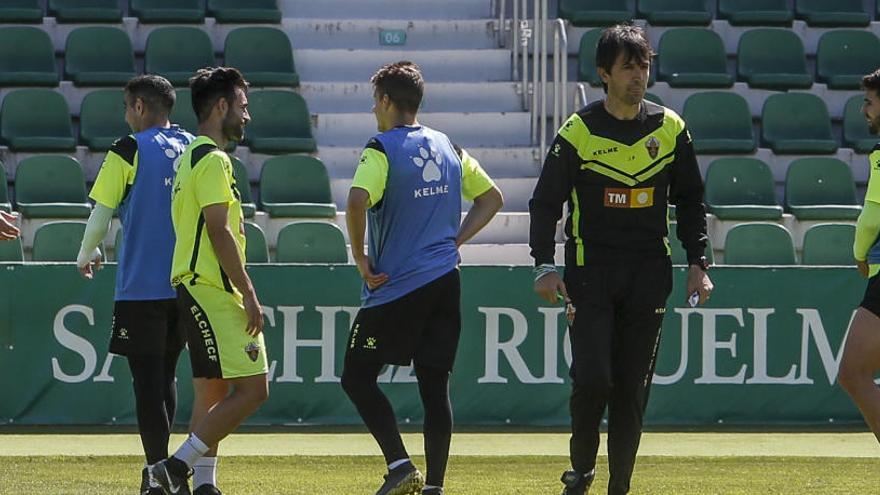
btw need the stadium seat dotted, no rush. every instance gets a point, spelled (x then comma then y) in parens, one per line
(311, 242)
(263, 54)
(102, 119)
(677, 252)
(99, 56)
(296, 186)
(58, 241)
(597, 12)
(10, 251)
(587, 58)
(183, 114)
(280, 123)
(783, 67)
(843, 56)
(755, 12)
(719, 122)
(244, 11)
(256, 250)
(27, 57)
(828, 244)
(759, 244)
(693, 57)
(51, 186)
(855, 129)
(797, 123)
(675, 12)
(244, 187)
(36, 120)
(832, 13)
(5, 205)
(741, 189)
(85, 10)
(177, 53)
(654, 98)
(821, 188)
(21, 11)
(166, 11)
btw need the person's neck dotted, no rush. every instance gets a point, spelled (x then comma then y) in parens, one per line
(215, 133)
(157, 122)
(404, 120)
(621, 110)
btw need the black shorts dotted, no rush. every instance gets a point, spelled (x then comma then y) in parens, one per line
(871, 300)
(422, 327)
(145, 327)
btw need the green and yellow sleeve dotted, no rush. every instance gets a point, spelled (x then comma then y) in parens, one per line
(868, 225)
(372, 171)
(474, 180)
(117, 173)
(212, 180)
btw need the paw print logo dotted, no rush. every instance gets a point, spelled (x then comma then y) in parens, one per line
(429, 162)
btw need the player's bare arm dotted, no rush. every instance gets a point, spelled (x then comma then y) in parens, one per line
(484, 208)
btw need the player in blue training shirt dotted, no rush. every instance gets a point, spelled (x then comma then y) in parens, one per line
(410, 183)
(135, 180)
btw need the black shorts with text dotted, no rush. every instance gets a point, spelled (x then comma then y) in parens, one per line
(145, 328)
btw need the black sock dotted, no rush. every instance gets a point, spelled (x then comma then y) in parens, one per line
(151, 391)
(434, 389)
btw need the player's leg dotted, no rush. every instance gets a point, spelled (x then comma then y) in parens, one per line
(861, 361)
(437, 429)
(634, 349)
(206, 394)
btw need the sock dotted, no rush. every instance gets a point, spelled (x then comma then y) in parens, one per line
(191, 450)
(205, 472)
(432, 487)
(396, 464)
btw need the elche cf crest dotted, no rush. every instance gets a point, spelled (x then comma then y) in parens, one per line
(253, 351)
(653, 147)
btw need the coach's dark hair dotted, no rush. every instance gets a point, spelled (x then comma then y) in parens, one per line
(402, 82)
(155, 91)
(212, 83)
(622, 38)
(872, 81)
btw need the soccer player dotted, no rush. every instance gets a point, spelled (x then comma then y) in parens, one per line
(135, 179)
(617, 163)
(861, 354)
(8, 230)
(219, 309)
(410, 182)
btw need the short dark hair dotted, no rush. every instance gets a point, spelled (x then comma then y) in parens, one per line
(155, 91)
(622, 38)
(212, 83)
(402, 82)
(872, 82)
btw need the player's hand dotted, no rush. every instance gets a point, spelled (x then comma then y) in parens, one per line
(373, 280)
(8, 230)
(863, 268)
(85, 265)
(254, 314)
(698, 281)
(550, 286)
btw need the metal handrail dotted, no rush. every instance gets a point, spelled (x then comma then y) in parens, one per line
(580, 96)
(560, 73)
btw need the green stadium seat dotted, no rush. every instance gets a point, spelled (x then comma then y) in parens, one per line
(843, 56)
(177, 53)
(821, 188)
(11, 251)
(27, 57)
(244, 11)
(719, 122)
(311, 242)
(183, 114)
(758, 244)
(21, 11)
(797, 123)
(693, 57)
(99, 56)
(654, 98)
(58, 241)
(832, 13)
(676, 12)
(85, 10)
(587, 58)
(167, 11)
(239, 171)
(783, 67)
(256, 250)
(51, 186)
(5, 205)
(263, 54)
(756, 12)
(597, 12)
(741, 189)
(855, 128)
(677, 252)
(296, 186)
(829, 244)
(280, 123)
(102, 119)
(36, 120)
